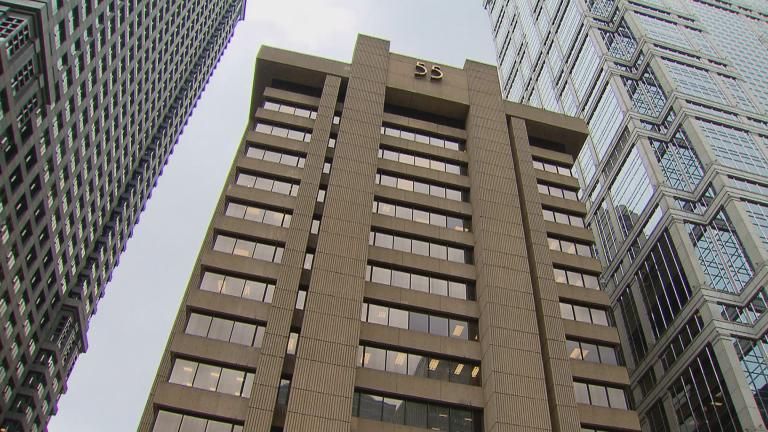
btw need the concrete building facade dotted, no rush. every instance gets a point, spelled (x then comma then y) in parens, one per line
(93, 95)
(396, 248)
(675, 178)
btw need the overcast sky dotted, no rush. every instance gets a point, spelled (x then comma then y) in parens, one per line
(108, 388)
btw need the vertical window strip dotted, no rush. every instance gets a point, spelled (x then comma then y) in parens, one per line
(721, 254)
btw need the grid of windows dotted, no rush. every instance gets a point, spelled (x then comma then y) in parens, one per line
(700, 399)
(420, 247)
(419, 282)
(569, 247)
(637, 343)
(558, 192)
(287, 108)
(694, 81)
(430, 162)
(241, 333)
(600, 395)
(721, 255)
(267, 183)
(167, 421)
(631, 191)
(238, 287)
(426, 366)
(734, 148)
(409, 184)
(680, 342)
(409, 212)
(421, 322)
(248, 248)
(678, 161)
(663, 284)
(281, 157)
(553, 167)
(753, 358)
(416, 414)
(576, 278)
(563, 218)
(424, 138)
(758, 215)
(212, 378)
(258, 214)
(750, 313)
(585, 314)
(284, 132)
(591, 352)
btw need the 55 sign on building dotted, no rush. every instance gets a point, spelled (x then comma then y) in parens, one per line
(434, 73)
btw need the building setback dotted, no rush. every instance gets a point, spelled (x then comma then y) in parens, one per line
(94, 95)
(675, 179)
(379, 256)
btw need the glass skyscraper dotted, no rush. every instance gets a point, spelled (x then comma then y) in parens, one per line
(675, 178)
(93, 96)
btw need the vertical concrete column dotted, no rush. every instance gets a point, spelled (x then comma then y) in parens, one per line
(270, 362)
(514, 383)
(323, 380)
(736, 385)
(562, 402)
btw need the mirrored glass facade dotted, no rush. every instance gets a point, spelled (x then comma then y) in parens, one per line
(674, 176)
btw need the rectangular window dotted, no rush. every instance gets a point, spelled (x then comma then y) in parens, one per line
(408, 212)
(248, 248)
(416, 414)
(238, 287)
(420, 282)
(420, 247)
(423, 161)
(436, 190)
(211, 377)
(227, 330)
(258, 214)
(284, 132)
(167, 421)
(424, 138)
(426, 366)
(269, 155)
(421, 322)
(267, 183)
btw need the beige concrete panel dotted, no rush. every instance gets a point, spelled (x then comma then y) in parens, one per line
(569, 231)
(228, 305)
(424, 149)
(250, 229)
(594, 332)
(291, 97)
(275, 170)
(425, 126)
(582, 295)
(220, 352)
(246, 267)
(575, 261)
(432, 265)
(425, 174)
(206, 403)
(609, 418)
(570, 206)
(422, 342)
(257, 196)
(556, 179)
(551, 155)
(458, 238)
(418, 199)
(288, 120)
(421, 300)
(411, 387)
(596, 372)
